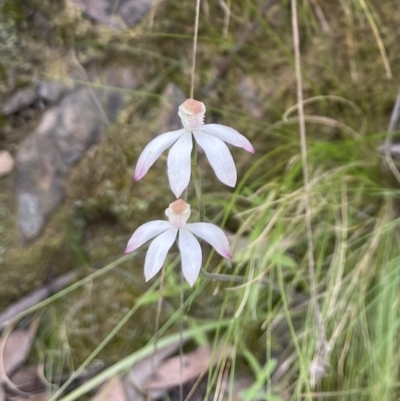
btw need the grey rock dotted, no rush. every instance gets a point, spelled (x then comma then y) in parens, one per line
(51, 91)
(63, 136)
(30, 220)
(115, 14)
(21, 99)
(44, 159)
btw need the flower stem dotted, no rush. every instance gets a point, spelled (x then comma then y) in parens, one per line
(197, 183)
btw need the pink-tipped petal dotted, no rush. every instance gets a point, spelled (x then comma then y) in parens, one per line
(228, 135)
(213, 235)
(219, 157)
(153, 151)
(157, 252)
(145, 233)
(190, 255)
(179, 164)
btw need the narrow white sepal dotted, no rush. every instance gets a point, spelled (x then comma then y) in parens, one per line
(153, 151)
(219, 157)
(191, 255)
(157, 252)
(179, 164)
(228, 135)
(213, 235)
(145, 233)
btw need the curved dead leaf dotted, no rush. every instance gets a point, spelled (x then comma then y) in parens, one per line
(14, 349)
(175, 371)
(142, 371)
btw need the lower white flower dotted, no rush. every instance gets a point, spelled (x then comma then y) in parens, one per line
(166, 233)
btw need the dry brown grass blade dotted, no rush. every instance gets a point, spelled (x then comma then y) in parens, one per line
(322, 349)
(378, 38)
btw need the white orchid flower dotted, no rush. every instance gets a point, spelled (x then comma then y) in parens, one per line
(210, 137)
(167, 231)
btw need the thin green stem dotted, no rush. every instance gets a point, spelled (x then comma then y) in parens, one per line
(73, 287)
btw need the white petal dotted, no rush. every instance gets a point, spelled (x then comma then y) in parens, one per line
(153, 151)
(219, 157)
(228, 135)
(146, 232)
(213, 235)
(157, 252)
(190, 254)
(179, 164)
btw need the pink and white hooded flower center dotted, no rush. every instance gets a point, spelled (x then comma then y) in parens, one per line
(192, 113)
(178, 213)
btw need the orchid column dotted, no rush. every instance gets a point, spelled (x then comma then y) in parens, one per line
(211, 138)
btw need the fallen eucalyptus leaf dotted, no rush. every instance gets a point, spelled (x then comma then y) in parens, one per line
(15, 348)
(112, 390)
(177, 370)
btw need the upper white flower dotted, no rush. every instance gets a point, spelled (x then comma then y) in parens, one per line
(189, 247)
(210, 137)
